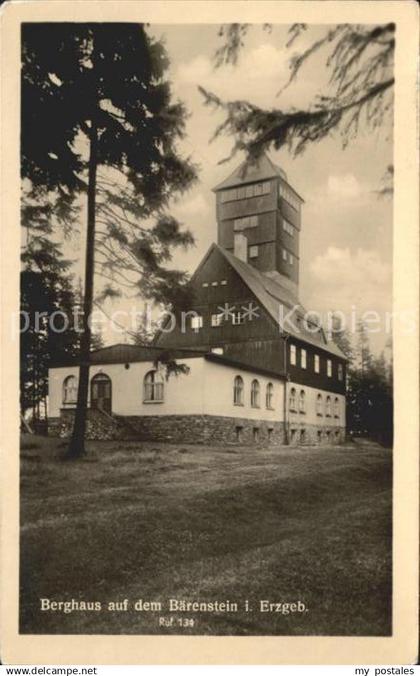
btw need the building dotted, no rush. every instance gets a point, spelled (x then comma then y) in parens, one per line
(259, 370)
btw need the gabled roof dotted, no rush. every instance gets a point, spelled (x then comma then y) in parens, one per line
(272, 295)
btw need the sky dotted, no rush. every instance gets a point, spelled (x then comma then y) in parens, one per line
(346, 238)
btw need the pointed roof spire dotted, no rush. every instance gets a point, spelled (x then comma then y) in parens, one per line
(250, 171)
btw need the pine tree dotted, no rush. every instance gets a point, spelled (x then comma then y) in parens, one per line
(95, 96)
(359, 60)
(47, 305)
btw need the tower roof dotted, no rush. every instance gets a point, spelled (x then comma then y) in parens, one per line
(248, 172)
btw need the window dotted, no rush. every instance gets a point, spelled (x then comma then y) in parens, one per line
(302, 408)
(316, 363)
(253, 190)
(238, 318)
(217, 350)
(292, 399)
(246, 222)
(329, 368)
(223, 282)
(340, 372)
(290, 259)
(70, 390)
(303, 358)
(284, 254)
(336, 408)
(216, 319)
(319, 405)
(288, 227)
(205, 284)
(269, 393)
(153, 386)
(238, 433)
(319, 435)
(253, 252)
(238, 391)
(293, 355)
(255, 394)
(196, 322)
(289, 195)
(302, 436)
(215, 283)
(328, 407)
(270, 431)
(256, 434)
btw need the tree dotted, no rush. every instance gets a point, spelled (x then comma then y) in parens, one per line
(360, 61)
(95, 96)
(341, 336)
(47, 305)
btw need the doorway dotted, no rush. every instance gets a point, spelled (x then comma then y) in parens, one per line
(101, 393)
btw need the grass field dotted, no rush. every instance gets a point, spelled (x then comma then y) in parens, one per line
(158, 521)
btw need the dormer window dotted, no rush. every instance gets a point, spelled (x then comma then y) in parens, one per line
(253, 251)
(216, 319)
(238, 318)
(197, 322)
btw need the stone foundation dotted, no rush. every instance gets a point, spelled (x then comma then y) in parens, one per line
(205, 429)
(99, 426)
(302, 434)
(197, 429)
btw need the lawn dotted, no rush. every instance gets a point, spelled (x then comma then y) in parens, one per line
(163, 521)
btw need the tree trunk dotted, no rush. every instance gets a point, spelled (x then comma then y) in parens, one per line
(76, 447)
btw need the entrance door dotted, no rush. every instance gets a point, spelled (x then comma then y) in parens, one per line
(101, 393)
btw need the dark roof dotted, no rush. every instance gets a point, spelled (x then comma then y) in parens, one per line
(123, 353)
(272, 294)
(247, 172)
(238, 363)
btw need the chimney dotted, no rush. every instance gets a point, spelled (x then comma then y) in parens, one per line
(240, 246)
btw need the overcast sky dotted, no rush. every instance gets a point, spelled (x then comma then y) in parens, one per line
(346, 240)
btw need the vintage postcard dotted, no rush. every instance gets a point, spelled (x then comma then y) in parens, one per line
(209, 332)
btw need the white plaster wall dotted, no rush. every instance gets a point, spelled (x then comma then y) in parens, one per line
(183, 393)
(207, 389)
(310, 417)
(218, 393)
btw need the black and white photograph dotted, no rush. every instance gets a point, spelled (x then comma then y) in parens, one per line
(206, 327)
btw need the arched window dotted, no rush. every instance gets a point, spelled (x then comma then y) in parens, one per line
(238, 391)
(255, 394)
(292, 401)
(336, 408)
(153, 386)
(328, 407)
(319, 404)
(302, 408)
(70, 390)
(269, 394)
